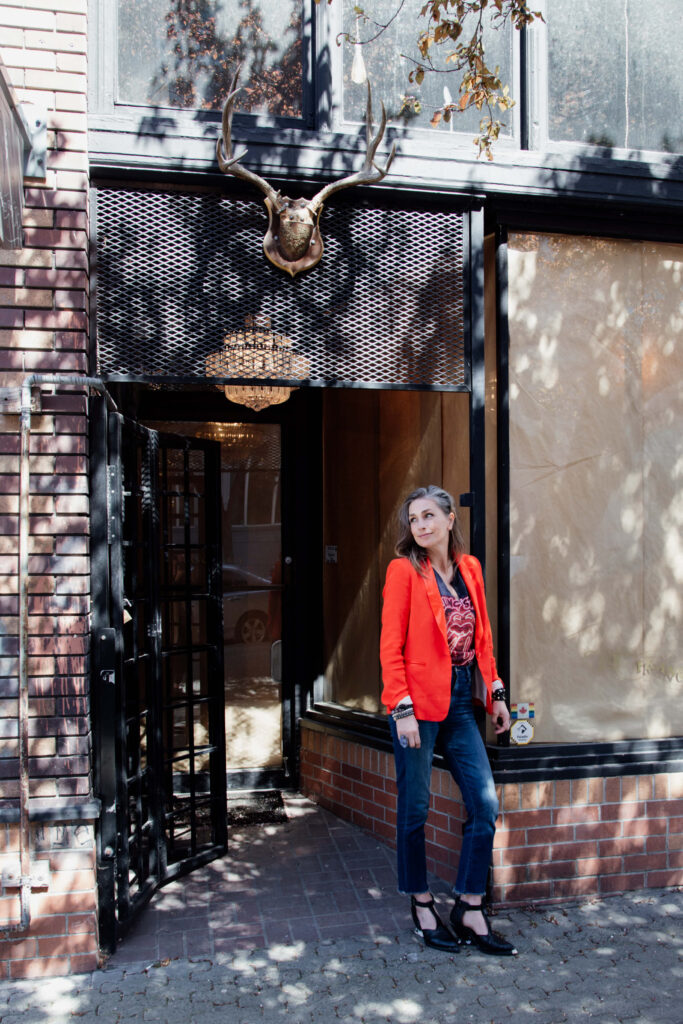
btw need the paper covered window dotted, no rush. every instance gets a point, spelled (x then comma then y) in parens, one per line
(596, 486)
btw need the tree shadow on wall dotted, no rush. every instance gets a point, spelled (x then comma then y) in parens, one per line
(594, 445)
(178, 270)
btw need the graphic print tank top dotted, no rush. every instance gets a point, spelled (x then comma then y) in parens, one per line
(460, 619)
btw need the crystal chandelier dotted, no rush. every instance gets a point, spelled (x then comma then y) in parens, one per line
(257, 353)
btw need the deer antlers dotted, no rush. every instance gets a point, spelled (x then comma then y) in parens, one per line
(370, 171)
(230, 164)
(293, 240)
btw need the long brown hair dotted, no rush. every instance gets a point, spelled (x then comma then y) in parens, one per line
(406, 545)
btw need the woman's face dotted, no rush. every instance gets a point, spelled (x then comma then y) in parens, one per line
(429, 524)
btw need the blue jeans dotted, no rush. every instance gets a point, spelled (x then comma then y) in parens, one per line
(466, 757)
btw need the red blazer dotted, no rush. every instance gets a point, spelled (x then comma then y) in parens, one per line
(416, 660)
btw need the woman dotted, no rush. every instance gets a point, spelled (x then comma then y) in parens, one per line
(435, 627)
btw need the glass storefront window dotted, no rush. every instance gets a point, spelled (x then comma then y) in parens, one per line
(596, 486)
(388, 64)
(407, 439)
(615, 76)
(183, 53)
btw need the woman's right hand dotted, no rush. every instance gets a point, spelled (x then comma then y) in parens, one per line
(409, 728)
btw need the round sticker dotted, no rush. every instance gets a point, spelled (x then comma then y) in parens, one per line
(522, 731)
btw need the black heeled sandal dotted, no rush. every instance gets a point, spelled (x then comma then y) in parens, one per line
(439, 937)
(492, 942)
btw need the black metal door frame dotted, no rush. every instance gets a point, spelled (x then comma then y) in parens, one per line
(131, 700)
(134, 595)
(301, 482)
(194, 798)
(474, 331)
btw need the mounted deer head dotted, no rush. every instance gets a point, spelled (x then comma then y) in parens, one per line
(293, 240)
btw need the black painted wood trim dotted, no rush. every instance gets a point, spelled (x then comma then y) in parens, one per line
(537, 763)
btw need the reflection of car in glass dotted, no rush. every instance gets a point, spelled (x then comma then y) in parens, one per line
(245, 605)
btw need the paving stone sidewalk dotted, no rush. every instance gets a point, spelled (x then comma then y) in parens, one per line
(611, 960)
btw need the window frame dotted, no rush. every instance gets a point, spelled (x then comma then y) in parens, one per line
(322, 145)
(106, 113)
(537, 108)
(566, 218)
(539, 761)
(441, 142)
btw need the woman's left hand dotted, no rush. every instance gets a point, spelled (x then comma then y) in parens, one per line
(500, 716)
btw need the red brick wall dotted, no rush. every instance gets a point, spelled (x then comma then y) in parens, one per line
(44, 328)
(554, 840)
(62, 938)
(58, 601)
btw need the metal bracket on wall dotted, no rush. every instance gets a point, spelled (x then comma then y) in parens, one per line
(10, 401)
(39, 877)
(35, 144)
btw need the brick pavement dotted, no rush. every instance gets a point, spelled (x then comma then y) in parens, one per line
(313, 877)
(301, 923)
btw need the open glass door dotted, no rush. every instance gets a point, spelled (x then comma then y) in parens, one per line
(192, 741)
(251, 585)
(252, 604)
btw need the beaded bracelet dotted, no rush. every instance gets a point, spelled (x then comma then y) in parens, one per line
(402, 711)
(498, 695)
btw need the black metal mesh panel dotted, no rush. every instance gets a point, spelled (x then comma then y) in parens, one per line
(179, 270)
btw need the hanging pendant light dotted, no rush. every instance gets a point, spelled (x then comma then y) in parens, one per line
(257, 352)
(448, 102)
(359, 73)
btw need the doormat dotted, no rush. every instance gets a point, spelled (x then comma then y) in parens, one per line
(263, 808)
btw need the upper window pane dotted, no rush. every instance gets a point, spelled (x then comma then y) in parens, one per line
(183, 53)
(615, 73)
(387, 64)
